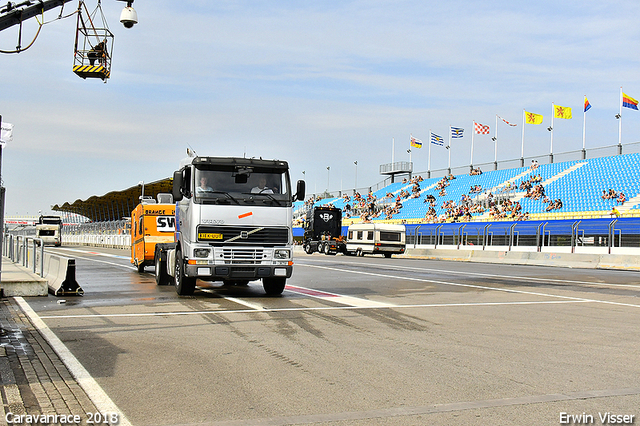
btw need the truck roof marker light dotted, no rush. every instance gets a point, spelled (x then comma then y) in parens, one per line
(242, 216)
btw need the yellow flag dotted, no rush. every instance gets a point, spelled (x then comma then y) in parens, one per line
(532, 118)
(561, 112)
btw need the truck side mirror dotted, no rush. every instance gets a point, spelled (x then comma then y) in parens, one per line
(176, 191)
(300, 189)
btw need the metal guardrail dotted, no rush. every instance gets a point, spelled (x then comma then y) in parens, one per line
(16, 248)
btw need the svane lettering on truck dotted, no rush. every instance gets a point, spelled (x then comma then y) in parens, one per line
(166, 223)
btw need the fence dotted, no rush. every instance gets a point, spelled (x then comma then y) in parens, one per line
(16, 248)
(603, 236)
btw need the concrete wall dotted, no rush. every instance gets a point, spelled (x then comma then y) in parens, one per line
(565, 260)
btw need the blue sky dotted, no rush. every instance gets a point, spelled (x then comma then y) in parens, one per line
(319, 85)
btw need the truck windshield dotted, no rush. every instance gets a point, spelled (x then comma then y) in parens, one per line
(242, 186)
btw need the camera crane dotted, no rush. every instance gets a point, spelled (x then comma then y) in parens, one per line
(93, 42)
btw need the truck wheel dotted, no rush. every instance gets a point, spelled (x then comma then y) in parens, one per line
(308, 249)
(140, 266)
(185, 286)
(162, 277)
(359, 252)
(274, 286)
(327, 249)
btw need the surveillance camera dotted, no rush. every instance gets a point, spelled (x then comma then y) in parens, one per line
(618, 116)
(128, 17)
(549, 128)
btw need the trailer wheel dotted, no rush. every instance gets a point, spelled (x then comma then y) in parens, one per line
(308, 249)
(185, 286)
(274, 286)
(162, 277)
(327, 249)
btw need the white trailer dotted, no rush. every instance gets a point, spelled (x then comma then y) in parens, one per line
(376, 238)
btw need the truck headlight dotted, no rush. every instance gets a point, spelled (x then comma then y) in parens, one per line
(281, 254)
(201, 252)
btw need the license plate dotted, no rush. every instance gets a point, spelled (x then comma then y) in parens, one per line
(209, 236)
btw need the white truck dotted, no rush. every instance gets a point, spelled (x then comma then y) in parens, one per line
(233, 223)
(49, 229)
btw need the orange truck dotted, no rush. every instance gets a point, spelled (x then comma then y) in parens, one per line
(152, 222)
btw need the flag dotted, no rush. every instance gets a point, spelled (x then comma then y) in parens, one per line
(587, 105)
(480, 129)
(532, 118)
(437, 140)
(561, 112)
(416, 143)
(629, 102)
(456, 132)
(6, 133)
(510, 124)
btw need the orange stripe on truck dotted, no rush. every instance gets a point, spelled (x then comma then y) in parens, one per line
(242, 216)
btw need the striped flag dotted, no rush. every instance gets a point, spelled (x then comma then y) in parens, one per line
(629, 102)
(480, 129)
(456, 132)
(510, 124)
(587, 105)
(437, 140)
(416, 143)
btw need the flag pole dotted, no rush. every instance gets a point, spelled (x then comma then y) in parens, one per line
(550, 128)
(449, 149)
(429, 160)
(620, 125)
(584, 127)
(2, 191)
(495, 141)
(393, 150)
(473, 132)
(522, 148)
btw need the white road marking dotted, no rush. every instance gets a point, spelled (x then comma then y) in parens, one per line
(356, 302)
(253, 306)
(303, 309)
(481, 274)
(98, 396)
(481, 287)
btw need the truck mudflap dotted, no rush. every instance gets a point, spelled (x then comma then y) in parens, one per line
(227, 272)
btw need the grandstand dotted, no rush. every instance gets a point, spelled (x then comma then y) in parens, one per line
(578, 184)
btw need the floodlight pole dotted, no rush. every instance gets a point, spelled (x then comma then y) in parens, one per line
(1, 203)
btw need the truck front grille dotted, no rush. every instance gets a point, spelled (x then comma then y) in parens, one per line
(243, 235)
(243, 256)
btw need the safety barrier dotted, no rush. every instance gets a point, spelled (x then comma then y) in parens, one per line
(98, 240)
(59, 271)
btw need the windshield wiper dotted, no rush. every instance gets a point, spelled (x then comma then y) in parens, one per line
(266, 194)
(218, 192)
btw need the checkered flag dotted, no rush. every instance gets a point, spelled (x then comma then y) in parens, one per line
(480, 129)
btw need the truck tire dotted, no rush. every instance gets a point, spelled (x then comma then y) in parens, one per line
(274, 286)
(387, 255)
(327, 249)
(308, 249)
(140, 266)
(162, 277)
(185, 286)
